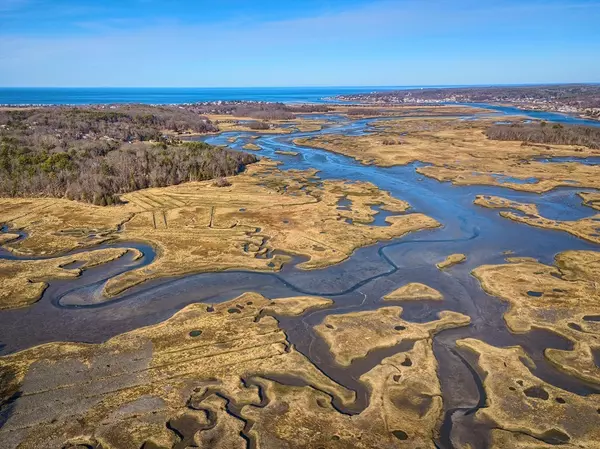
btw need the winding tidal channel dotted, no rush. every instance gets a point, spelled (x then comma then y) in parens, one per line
(358, 283)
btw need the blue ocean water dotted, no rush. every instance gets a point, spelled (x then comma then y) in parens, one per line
(180, 95)
(161, 95)
(107, 95)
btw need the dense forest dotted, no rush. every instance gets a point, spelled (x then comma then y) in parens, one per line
(255, 109)
(95, 154)
(588, 136)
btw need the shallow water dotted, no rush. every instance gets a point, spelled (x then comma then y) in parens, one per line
(563, 159)
(69, 310)
(555, 117)
(502, 179)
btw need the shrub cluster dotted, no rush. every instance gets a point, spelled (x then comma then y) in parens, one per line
(221, 182)
(255, 109)
(258, 125)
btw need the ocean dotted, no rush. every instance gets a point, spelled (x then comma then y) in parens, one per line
(156, 95)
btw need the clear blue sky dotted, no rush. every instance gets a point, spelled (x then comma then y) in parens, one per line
(197, 43)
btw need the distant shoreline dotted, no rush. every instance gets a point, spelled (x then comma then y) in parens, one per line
(79, 96)
(582, 100)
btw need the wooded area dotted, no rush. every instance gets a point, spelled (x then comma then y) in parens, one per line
(588, 136)
(94, 155)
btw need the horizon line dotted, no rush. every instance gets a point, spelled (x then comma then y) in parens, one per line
(310, 86)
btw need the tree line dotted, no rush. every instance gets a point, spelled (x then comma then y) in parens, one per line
(255, 109)
(588, 136)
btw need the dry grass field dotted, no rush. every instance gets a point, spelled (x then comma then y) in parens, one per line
(451, 260)
(414, 291)
(207, 377)
(563, 298)
(527, 412)
(372, 111)
(459, 151)
(258, 222)
(228, 123)
(353, 335)
(587, 228)
(22, 282)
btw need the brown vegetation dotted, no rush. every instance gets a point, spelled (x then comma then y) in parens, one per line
(587, 228)
(414, 291)
(22, 282)
(363, 112)
(353, 335)
(200, 227)
(459, 151)
(172, 385)
(357, 111)
(588, 136)
(559, 298)
(221, 182)
(252, 147)
(525, 411)
(59, 126)
(256, 125)
(451, 260)
(286, 153)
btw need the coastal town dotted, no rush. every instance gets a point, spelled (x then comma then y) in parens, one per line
(581, 100)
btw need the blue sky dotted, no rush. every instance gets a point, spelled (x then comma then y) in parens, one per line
(186, 43)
